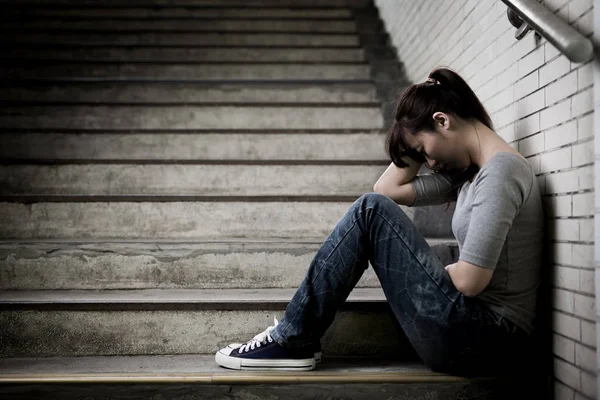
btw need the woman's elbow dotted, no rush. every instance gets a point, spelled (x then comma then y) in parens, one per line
(469, 279)
(469, 288)
(468, 291)
(378, 189)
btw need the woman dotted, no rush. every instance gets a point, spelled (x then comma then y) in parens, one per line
(467, 318)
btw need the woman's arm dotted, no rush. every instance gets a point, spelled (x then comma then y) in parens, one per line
(395, 182)
(469, 279)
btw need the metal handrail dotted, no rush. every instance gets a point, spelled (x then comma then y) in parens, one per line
(565, 38)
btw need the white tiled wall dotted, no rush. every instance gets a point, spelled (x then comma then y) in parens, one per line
(542, 104)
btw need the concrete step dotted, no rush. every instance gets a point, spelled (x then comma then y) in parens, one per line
(164, 264)
(169, 219)
(188, 25)
(191, 180)
(174, 117)
(183, 55)
(184, 72)
(181, 39)
(189, 217)
(105, 11)
(327, 4)
(275, 146)
(161, 92)
(199, 377)
(192, 321)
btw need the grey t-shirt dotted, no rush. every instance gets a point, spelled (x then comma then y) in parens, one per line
(498, 223)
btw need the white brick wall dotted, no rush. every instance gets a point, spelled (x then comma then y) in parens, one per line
(542, 104)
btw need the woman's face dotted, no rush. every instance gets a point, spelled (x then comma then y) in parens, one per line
(442, 149)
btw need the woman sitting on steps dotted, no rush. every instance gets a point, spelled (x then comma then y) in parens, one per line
(473, 317)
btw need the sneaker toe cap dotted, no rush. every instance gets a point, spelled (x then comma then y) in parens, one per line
(226, 351)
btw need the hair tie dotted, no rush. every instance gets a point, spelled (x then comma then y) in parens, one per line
(432, 80)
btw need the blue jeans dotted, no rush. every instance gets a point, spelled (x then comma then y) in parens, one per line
(450, 332)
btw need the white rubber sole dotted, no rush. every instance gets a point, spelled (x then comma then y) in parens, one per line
(264, 365)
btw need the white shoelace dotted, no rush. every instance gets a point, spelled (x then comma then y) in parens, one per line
(260, 339)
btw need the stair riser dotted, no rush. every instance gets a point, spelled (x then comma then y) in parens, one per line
(182, 39)
(198, 180)
(178, 55)
(268, 25)
(230, 146)
(175, 12)
(111, 332)
(170, 220)
(192, 220)
(166, 266)
(72, 72)
(180, 93)
(189, 117)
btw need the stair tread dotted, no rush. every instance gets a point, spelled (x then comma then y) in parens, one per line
(188, 25)
(175, 368)
(176, 12)
(308, 116)
(177, 93)
(183, 72)
(186, 54)
(318, 40)
(161, 296)
(151, 243)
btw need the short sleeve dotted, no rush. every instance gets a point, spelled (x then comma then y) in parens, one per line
(499, 193)
(438, 188)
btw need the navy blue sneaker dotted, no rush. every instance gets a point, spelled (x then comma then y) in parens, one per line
(318, 353)
(262, 353)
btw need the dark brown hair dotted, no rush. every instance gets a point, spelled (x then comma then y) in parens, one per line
(447, 92)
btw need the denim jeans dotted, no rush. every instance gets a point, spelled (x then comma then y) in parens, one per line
(450, 332)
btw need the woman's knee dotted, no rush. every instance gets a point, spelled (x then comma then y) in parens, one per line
(374, 198)
(380, 202)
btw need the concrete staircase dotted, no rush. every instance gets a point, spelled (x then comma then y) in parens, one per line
(169, 169)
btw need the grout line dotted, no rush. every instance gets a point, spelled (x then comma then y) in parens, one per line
(578, 317)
